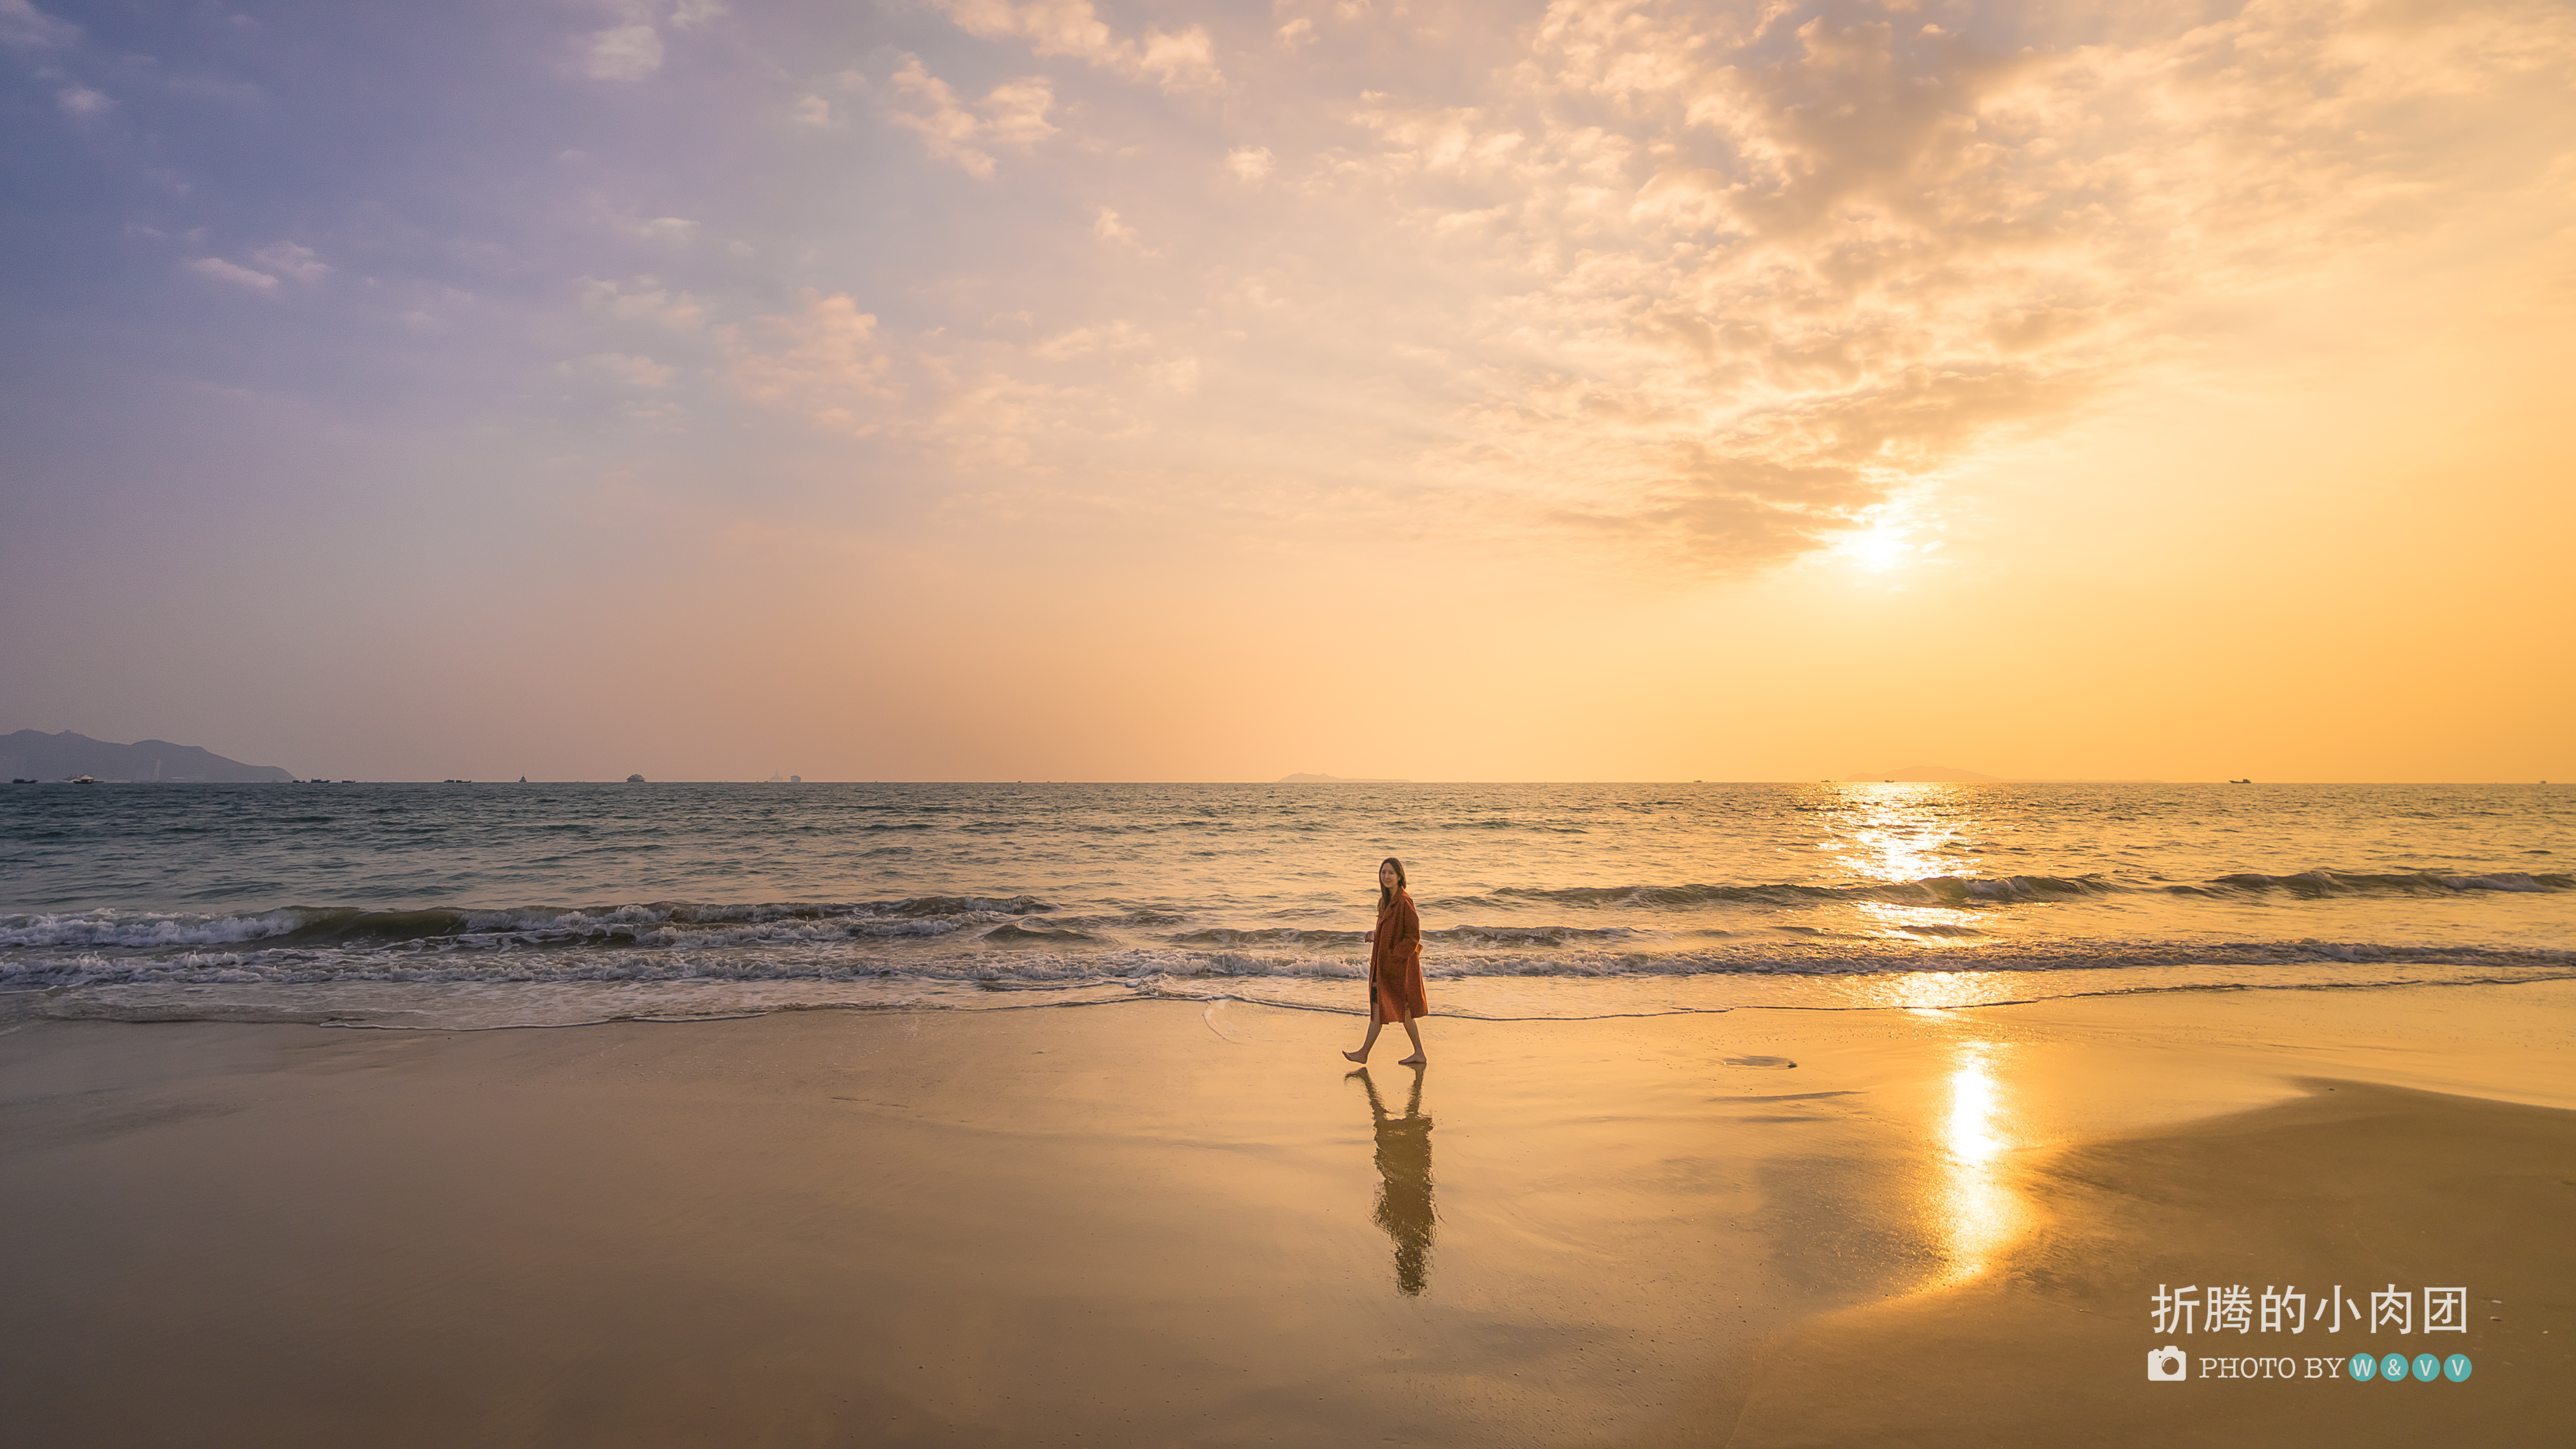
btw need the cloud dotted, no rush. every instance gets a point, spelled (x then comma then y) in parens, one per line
(1110, 338)
(25, 27)
(39, 37)
(1011, 114)
(814, 111)
(1720, 283)
(1178, 59)
(825, 363)
(1008, 415)
(292, 260)
(1015, 112)
(625, 52)
(1712, 286)
(233, 275)
(1109, 228)
(642, 300)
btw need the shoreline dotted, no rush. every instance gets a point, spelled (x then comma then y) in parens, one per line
(441, 1003)
(1182, 1222)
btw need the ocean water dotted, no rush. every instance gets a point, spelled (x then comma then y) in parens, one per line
(458, 906)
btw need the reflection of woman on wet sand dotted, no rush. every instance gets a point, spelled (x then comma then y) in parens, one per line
(1404, 1187)
(1395, 964)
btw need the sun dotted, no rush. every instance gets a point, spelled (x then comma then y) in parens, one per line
(1878, 550)
(1885, 544)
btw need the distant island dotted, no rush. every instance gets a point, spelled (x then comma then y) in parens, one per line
(32, 754)
(1336, 780)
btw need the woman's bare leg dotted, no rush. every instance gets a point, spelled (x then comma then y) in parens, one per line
(1361, 1056)
(1419, 1057)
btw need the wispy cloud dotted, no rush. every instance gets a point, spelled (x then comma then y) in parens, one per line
(1012, 114)
(234, 275)
(642, 299)
(1177, 59)
(290, 259)
(626, 53)
(1722, 286)
(25, 27)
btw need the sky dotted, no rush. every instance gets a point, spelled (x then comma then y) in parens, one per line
(969, 389)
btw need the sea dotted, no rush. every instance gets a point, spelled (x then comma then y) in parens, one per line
(470, 906)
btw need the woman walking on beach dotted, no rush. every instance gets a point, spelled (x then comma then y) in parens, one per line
(1395, 965)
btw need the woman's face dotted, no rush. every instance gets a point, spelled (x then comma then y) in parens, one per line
(1387, 879)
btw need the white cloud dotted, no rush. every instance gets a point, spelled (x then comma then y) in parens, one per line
(685, 13)
(233, 275)
(1177, 59)
(625, 52)
(1011, 114)
(814, 111)
(665, 229)
(1249, 163)
(80, 100)
(289, 259)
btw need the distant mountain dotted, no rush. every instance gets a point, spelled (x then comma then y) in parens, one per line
(32, 754)
(1336, 780)
(1928, 774)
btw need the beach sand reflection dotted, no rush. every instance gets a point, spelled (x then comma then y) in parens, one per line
(1978, 1214)
(1404, 1188)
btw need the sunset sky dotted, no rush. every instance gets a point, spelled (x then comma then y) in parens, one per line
(961, 389)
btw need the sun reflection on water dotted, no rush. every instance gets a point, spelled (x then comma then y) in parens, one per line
(1979, 1214)
(1899, 833)
(1893, 834)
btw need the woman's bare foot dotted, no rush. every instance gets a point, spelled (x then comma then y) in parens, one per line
(1359, 1057)
(1415, 1060)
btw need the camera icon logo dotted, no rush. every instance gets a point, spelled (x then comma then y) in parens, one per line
(2167, 1363)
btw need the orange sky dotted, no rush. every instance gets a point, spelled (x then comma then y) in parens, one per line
(1591, 391)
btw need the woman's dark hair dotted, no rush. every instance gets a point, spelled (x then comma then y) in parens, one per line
(1386, 897)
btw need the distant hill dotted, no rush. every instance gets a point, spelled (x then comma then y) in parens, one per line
(1928, 774)
(32, 754)
(1336, 780)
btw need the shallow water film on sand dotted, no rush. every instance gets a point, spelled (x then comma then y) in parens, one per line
(490, 905)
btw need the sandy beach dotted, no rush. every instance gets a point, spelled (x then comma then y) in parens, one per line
(1183, 1223)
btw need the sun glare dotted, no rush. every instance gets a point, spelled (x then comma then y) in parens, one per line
(1889, 539)
(1878, 550)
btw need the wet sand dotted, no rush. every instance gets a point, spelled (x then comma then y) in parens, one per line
(1164, 1223)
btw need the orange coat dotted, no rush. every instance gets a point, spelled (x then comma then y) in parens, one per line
(1395, 963)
